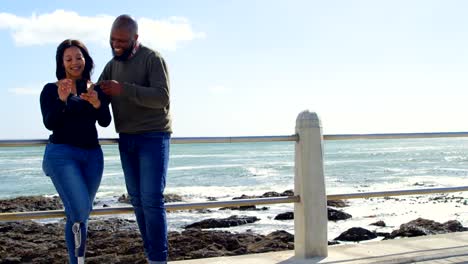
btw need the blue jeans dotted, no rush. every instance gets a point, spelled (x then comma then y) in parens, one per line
(76, 174)
(145, 159)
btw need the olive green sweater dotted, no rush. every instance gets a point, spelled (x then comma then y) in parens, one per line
(144, 103)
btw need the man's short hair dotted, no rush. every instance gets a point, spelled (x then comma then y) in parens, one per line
(126, 22)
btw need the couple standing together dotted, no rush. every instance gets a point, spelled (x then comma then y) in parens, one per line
(135, 82)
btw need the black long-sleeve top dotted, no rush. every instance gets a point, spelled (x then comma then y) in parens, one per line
(73, 122)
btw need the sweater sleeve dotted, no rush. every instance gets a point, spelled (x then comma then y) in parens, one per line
(52, 108)
(105, 73)
(156, 95)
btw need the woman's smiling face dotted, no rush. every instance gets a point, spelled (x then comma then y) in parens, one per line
(74, 63)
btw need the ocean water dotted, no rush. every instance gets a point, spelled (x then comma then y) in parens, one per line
(223, 171)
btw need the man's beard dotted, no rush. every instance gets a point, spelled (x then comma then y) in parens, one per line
(125, 55)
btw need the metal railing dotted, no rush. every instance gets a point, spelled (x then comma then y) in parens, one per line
(169, 207)
(396, 193)
(310, 198)
(238, 202)
(395, 135)
(285, 138)
(175, 140)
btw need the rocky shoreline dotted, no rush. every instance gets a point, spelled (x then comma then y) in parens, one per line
(116, 240)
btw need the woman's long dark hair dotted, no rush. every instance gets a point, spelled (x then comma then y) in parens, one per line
(60, 70)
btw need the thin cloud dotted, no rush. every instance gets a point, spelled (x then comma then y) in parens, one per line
(52, 28)
(166, 34)
(25, 91)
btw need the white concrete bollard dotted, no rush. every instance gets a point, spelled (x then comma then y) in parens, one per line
(310, 214)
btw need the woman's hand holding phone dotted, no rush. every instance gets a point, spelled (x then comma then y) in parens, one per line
(91, 96)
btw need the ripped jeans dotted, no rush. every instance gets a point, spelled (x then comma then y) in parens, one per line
(76, 174)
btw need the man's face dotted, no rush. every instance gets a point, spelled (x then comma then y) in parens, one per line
(122, 42)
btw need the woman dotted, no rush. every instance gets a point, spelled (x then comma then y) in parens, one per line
(73, 157)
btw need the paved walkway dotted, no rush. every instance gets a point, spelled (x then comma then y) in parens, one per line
(437, 249)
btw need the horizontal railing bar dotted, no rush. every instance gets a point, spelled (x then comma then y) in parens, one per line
(169, 207)
(395, 135)
(15, 216)
(196, 140)
(191, 140)
(23, 143)
(396, 193)
(231, 203)
(174, 140)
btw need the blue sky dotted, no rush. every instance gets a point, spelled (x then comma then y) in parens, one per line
(249, 67)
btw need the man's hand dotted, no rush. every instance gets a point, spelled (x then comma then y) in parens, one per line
(111, 87)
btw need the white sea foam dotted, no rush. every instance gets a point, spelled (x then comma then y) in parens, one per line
(184, 156)
(262, 172)
(200, 167)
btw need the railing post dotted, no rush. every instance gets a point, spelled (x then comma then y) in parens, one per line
(310, 214)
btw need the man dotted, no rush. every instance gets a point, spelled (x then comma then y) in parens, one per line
(138, 83)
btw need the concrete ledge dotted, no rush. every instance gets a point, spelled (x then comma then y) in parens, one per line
(446, 248)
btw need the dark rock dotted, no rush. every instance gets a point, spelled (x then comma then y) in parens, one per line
(124, 198)
(224, 222)
(422, 227)
(245, 208)
(386, 235)
(281, 240)
(168, 198)
(265, 195)
(245, 197)
(118, 241)
(337, 203)
(220, 243)
(356, 234)
(172, 198)
(288, 193)
(281, 235)
(285, 216)
(454, 226)
(30, 203)
(271, 194)
(335, 215)
(201, 211)
(379, 223)
(112, 245)
(11, 260)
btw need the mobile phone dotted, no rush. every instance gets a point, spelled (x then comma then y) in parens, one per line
(81, 86)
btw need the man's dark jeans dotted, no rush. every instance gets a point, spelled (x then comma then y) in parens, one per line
(145, 159)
